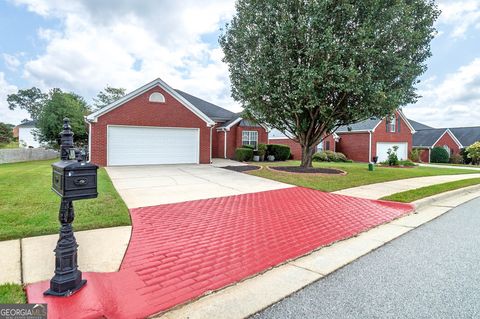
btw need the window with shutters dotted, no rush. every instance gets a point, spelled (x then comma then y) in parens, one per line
(391, 124)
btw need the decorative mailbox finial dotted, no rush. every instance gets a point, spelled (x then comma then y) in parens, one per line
(66, 140)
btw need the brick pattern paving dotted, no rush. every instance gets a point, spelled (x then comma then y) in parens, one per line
(181, 251)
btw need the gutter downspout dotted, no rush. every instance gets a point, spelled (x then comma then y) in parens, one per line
(89, 141)
(370, 147)
(225, 144)
(211, 128)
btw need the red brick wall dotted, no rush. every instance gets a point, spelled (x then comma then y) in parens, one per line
(424, 155)
(231, 142)
(140, 112)
(220, 144)
(354, 146)
(215, 135)
(381, 135)
(295, 147)
(331, 142)
(446, 139)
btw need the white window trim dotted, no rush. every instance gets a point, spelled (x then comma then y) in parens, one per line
(255, 133)
(392, 124)
(156, 97)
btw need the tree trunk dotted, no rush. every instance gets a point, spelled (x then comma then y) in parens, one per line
(307, 153)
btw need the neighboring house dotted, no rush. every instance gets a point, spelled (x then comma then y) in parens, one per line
(363, 140)
(25, 134)
(156, 124)
(452, 139)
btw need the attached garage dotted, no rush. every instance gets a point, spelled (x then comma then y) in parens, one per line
(382, 149)
(133, 145)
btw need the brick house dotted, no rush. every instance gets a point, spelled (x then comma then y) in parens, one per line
(156, 124)
(452, 139)
(363, 140)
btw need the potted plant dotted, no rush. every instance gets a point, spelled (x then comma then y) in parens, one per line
(256, 156)
(262, 150)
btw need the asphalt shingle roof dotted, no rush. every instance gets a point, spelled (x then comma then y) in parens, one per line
(360, 126)
(418, 126)
(211, 110)
(426, 138)
(28, 124)
(466, 135)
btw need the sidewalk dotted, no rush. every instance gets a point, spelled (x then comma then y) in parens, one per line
(475, 168)
(29, 260)
(379, 190)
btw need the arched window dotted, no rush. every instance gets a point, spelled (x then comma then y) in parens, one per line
(156, 97)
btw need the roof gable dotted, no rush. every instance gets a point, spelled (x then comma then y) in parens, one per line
(427, 138)
(157, 82)
(466, 135)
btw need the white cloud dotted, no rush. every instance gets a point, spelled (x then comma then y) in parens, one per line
(11, 61)
(453, 102)
(461, 15)
(105, 42)
(6, 115)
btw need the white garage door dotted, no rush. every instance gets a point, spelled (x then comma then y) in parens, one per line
(132, 145)
(382, 149)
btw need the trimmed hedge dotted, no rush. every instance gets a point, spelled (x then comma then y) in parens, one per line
(281, 152)
(248, 146)
(243, 154)
(329, 156)
(439, 155)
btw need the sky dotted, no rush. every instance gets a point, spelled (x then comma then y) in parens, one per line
(85, 45)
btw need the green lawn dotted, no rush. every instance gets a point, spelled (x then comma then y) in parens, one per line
(12, 293)
(419, 193)
(10, 145)
(357, 175)
(461, 165)
(28, 206)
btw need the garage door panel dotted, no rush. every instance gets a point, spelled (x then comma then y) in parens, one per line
(382, 148)
(151, 145)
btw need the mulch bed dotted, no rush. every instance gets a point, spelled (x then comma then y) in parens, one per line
(243, 168)
(305, 170)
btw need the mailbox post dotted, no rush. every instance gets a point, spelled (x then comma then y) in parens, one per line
(71, 180)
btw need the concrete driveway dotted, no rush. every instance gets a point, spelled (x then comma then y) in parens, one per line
(141, 186)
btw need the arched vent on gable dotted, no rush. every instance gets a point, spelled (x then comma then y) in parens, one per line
(156, 97)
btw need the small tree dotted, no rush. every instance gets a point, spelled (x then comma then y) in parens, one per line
(392, 156)
(32, 100)
(439, 155)
(308, 67)
(474, 152)
(6, 133)
(106, 96)
(60, 105)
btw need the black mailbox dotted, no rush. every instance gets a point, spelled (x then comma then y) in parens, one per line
(74, 180)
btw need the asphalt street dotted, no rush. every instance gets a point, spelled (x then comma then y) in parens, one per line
(430, 272)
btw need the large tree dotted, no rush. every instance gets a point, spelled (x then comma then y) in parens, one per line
(106, 96)
(32, 100)
(58, 106)
(6, 133)
(307, 67)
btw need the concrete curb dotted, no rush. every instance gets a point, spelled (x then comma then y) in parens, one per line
(252, 295)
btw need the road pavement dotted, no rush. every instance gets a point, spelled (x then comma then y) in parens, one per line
(430, 272)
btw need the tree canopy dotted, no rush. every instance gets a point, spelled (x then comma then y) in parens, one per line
(6, 133)
(106, 96)
(307, 67)
(32, 100)
(58, 106)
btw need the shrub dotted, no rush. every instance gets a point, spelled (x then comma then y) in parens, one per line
(456, 159)
(439, 155)
(392, 156)
(248, 146)
(320, 157)
(340, 157)
(243, 154)
(406, 163)
(262, 149)
(474, 152)
(329, 156)
(281, 152)
(464, 153)
(415, 154)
